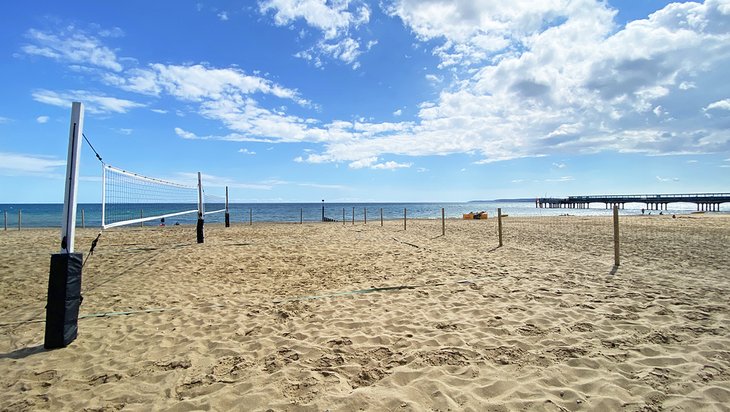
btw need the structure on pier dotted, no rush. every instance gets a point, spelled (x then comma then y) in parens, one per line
(704, 201)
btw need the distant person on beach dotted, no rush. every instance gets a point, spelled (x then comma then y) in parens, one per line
(162, 222)
(642, 211)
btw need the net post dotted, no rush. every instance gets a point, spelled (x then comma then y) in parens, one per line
(5, 219)
(228, 216)
(404, 218)
(616, 259)
(103, 195)
(499, 225)
(250, 216)
(141, 216)
(20, 218)
(201, 212)
(64, 278)
(83, 220)
(353, 215)
(365, 215)
(443, 222)
(301, 215)
(381, 217)
(343, 216)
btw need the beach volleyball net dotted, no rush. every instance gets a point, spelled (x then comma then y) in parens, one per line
(129, 198)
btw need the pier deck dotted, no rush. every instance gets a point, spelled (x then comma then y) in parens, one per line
(704, 201)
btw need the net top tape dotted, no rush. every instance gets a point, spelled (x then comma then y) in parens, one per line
(149, 179)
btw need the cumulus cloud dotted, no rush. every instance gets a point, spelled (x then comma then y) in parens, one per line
(42, 119)
(246, 152)
(223, 16)
(93, 103)
(335, 20)
(719, 105)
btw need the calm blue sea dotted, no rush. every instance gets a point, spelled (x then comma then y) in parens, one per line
(49, 215)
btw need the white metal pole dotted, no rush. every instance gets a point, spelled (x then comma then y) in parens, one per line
(68, 226)
(103, 195)
(201, 212)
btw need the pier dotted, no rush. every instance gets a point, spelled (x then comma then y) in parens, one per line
(704, 201)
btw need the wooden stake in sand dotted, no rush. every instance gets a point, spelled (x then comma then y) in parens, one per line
(404, 218)
(301, 216)
(353, 215)
(499, 225)
(5, 219)
(250, 217)
(616, 260)
(343, 216)
(365, 215)
(443, 222)
(20, 219)
(381, 216)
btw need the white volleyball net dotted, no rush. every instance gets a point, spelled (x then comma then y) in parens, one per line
(130, 198)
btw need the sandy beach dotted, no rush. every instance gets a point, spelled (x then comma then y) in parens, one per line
(290, 317)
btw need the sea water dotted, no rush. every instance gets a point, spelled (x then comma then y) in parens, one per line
(49, 215)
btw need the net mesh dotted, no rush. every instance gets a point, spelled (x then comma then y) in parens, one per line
(130, 198)
(213, 203)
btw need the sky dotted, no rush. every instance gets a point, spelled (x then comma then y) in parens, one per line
(370, 101)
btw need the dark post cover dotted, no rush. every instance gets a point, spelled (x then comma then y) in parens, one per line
(64, 299)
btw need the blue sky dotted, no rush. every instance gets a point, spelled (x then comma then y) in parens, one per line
(395, 100)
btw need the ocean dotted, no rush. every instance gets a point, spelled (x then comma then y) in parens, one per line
(49, 215)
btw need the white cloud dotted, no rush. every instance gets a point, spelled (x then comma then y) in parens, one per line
(223, 16)
(719, 105)
(371, 163)
(335, 20)
(246, 151)
(198, 83)
(667, 179)
(559, 165)
(561, 179)
(398, 112)
(93, 103)
(160, 111)
(72, 46)
(28, 164)
(125, 131)
(434, 78)
(42, 119)
(4, 120)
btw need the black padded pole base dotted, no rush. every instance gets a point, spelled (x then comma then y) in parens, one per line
(228, 220)
(64, 299)
(199, 231)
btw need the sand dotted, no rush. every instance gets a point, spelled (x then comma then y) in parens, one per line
(268, 317)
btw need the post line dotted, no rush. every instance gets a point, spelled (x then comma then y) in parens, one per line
(499, 225)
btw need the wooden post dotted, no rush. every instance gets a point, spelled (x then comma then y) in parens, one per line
(353, 215)
(250, 217)
(141, 213)
(443, 222)
(83, 219)
(404, 218)
(381, 216)
(499, 225)
(20, 219)
(616, 259)
(301, 216)
(365, 215)
(5, 219)
(343, 216)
